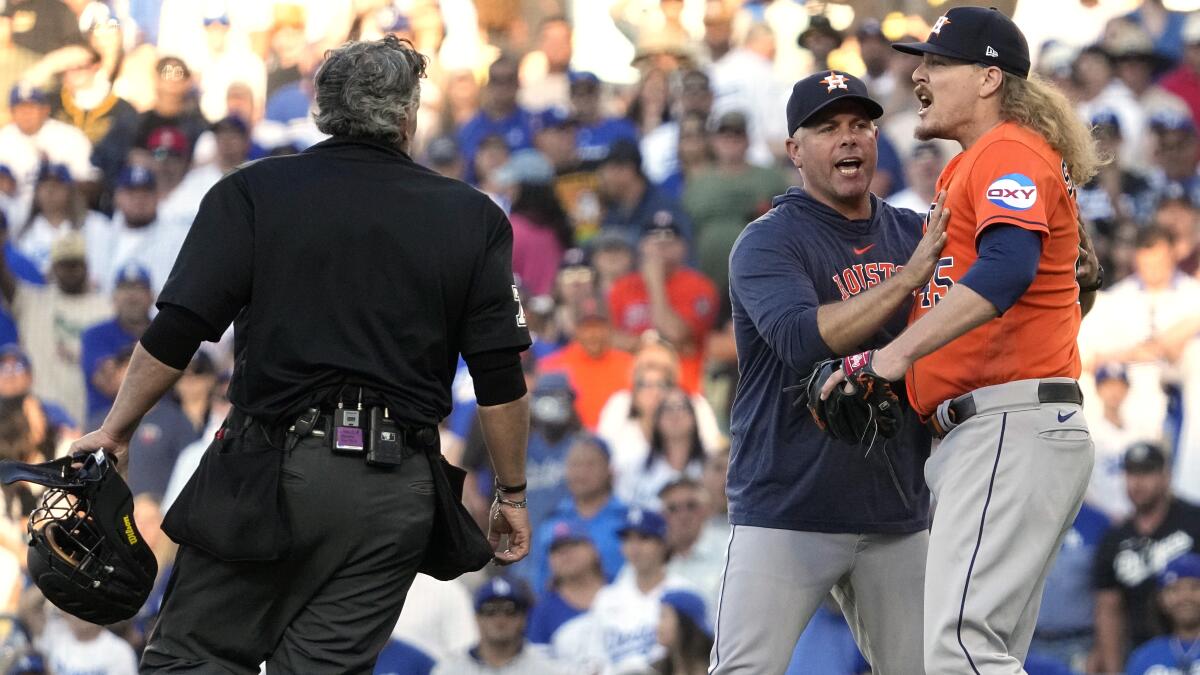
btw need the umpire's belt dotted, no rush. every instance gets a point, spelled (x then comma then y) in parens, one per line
(955, 411)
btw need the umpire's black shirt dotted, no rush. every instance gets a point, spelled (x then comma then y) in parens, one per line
(348, 263)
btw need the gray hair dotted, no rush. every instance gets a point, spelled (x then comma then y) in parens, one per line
(369, 89)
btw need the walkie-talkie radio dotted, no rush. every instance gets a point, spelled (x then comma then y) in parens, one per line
(385, 444)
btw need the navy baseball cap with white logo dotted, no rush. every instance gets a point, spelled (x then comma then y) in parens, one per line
(979, 35)
(821, 90)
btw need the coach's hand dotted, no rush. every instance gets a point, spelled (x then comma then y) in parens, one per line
(117, 447)
(512, 524)
(924, 259)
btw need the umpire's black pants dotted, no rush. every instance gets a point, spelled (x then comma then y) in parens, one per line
(359, 534)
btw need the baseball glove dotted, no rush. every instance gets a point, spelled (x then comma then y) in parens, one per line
(870, 409)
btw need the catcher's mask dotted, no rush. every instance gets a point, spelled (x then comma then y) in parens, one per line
(85, 552)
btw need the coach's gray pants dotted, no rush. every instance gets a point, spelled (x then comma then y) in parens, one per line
(1007, 484)
(775, 580)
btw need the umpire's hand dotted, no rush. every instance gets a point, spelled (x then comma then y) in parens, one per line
(117, 447)
(512, 524)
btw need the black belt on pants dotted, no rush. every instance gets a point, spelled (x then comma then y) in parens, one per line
(962, 408)
(319, 423)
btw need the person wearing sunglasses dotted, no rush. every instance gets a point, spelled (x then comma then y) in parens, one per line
(501, 609)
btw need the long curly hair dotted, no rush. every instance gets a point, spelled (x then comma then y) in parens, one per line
(1036, 104)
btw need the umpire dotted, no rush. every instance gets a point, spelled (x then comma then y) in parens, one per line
(354, 278)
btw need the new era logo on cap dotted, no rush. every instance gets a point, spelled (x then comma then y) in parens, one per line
(1004, 45)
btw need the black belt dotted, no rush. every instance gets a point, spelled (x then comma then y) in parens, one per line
(319, 423)
(962, 408)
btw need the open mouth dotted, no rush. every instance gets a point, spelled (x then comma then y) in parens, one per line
(848, 167)
(925, 100)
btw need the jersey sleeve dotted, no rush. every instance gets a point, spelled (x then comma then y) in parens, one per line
(213, 274)
(780, 299)
(1010, 183)
(494, 316)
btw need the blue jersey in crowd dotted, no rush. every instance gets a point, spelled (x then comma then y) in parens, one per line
(1067, 603)
(601, 529)
(1166, 655)
(550, 612)
(592, 141)
(783, 471)
(103, 341)
(163, 433)
(400, 658)
(516, 129)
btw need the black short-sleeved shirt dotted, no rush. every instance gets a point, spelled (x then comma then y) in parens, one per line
(349, 263)
(1130, 562)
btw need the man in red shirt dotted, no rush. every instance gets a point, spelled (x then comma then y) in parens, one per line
(665, 295)
(595, 368)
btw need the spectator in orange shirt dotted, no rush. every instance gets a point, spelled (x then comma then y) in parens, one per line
(595, 368)
(665, 295)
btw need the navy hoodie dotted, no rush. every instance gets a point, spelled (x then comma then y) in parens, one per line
(784, 472)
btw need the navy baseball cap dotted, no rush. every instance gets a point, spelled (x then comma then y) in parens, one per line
(13, 350)
(1171, 120)
(691, 605)
(661, 223)
(821, 90)
(1145, 457)
(1107, 119)
(136, 177)
(976, 34)
(582, 79)
(1186, 566)
(53, 171)
(23, 92)
(501, 588)
(644, 522)
(553, 118)
(133, 273)
(1111, 371)
(564, 533)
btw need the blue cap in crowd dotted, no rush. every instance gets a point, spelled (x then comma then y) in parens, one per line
(525, 166)
(688, 604)
(133, 273)
(13, 350)
(501, 588)
(24, 92)
(644, 522)
(553, 118)
(582, 78)
(1186, 566)
(136, 177)
(552, 383)
(7, 172)
(54, 171)
(976, 35)
(1171, 120)
(821, 90)
(1111, 371)
(1106, 118)
(594, 440)
(568, 533)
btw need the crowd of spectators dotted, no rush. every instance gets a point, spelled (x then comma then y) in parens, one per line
(630, 141)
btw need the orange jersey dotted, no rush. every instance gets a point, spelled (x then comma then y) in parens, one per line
(694, 299)
(1011, 176)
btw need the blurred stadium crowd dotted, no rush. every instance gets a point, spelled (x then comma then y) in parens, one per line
(630, 141)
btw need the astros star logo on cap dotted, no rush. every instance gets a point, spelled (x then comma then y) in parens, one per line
(834, 81)
(937, 26)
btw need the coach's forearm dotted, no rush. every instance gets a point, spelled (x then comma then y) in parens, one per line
(506, 433)
(146, 380)
(960, 311)
(845, 325)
